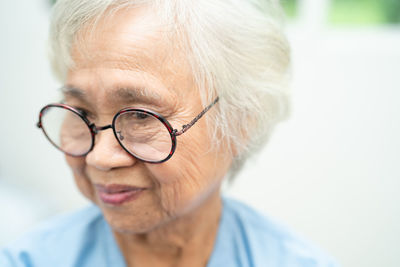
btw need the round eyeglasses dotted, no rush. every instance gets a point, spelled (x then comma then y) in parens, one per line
(144, 134)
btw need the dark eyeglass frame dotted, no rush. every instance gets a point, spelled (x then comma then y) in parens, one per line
(94, 129)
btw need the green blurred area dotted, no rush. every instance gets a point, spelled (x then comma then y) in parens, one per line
(290, 7)
(364, 11)
(355, 12)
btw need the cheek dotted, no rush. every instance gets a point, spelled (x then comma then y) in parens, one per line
(77, 165)
(188, 178)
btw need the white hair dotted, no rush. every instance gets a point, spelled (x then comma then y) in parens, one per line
(236, 50)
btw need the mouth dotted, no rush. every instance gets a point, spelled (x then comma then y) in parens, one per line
(115, 194)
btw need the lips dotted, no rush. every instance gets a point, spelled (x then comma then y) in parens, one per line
(116, 194)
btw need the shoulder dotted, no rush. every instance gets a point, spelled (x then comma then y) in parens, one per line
(63, 237)
(267, 242)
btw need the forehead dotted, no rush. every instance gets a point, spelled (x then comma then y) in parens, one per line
(133, 36)
(131, 43)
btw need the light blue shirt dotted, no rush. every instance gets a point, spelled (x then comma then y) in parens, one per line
(83, 238)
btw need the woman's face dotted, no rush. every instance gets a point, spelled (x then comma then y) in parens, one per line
(123, 63)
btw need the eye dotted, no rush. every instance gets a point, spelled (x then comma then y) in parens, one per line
(81, 111)
(84, 112)
(141, 115)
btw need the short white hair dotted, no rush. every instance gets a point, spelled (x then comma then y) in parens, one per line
(236, 50)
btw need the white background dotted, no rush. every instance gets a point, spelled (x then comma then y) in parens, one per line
(331, 172)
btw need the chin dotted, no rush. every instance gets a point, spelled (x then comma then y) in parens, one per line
(131, 223)
(133, 217)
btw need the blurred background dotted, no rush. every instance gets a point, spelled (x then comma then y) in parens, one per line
(331, 172)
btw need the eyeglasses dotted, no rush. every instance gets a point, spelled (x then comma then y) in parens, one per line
(144, 134)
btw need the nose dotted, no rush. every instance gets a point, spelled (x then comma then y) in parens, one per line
(107, 154)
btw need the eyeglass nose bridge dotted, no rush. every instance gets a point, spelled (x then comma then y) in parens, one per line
(96, 129)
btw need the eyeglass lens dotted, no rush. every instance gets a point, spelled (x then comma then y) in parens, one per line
(140, 133)
(143, 135)
(66, 130)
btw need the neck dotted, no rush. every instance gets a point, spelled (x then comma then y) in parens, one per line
(186, 241)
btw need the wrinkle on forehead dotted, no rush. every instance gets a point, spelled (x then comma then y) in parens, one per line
(119, 95)
(132, 38)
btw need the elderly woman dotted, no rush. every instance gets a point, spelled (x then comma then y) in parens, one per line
(162, 101)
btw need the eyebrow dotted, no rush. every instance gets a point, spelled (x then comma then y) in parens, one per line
(124, 95)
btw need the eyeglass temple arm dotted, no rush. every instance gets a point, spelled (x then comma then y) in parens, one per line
(186, 127)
